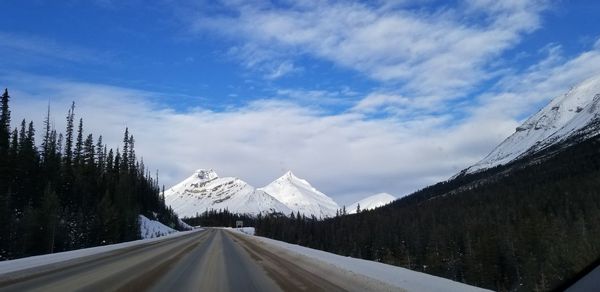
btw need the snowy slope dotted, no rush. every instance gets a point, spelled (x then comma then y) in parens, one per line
(205, 190)
(298, 195)
(151, 229)
(184, 225)
(563, 117)
(371, 202)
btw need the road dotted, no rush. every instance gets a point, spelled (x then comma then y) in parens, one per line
(209, 260)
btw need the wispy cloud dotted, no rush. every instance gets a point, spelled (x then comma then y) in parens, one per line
(429, 52)
(36, 49)
(316, 98)
(271, 64)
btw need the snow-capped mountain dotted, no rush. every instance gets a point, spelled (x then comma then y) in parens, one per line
(573, 113)
(205, 190)
(298, 195)
(371, 202)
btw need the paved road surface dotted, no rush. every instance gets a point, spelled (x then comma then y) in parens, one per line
(209, 260)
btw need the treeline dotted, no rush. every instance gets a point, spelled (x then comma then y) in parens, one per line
(72, 191)
(219, 218)
(527, 227)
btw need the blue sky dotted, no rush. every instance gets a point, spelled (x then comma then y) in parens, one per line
(357, 97)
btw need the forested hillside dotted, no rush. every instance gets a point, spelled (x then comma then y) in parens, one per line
(67, 191)
(528, 226)
(220, 218)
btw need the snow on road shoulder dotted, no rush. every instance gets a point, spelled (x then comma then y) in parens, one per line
(151, 228)
(388, 274)
(47, 259)
(246, 230)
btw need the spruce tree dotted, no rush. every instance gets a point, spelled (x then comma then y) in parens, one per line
(47, 204)
(46, 139)
(88, 155)
(4, 123)
(4, 146)
(124, 157)
(5, 176)
(100, 154)
(79, 144)
(69, 136)
(131, 156)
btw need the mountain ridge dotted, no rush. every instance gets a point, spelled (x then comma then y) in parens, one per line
(300, 196)
(371, 202)
(205, 190)
(562, 118)
(528, 223)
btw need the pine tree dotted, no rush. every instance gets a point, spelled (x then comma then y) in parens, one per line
(4, 149)
(4, 123)
(53, 202)
(79, 144)
(5, 176)
(46, 139)
(100, 154)
(88, 154)
(110, 161)
(69, 136)
(131, 156)
(124, 157)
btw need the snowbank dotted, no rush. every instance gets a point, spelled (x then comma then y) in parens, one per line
(391, 275)
(247, 230)
(151, 229)
(184, 225)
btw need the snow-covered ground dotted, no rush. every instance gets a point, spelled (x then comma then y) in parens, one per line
(371, 202)
(41, 260)
(246, 230)
(184, 225)
(151, 228)
(205, 190)
(402, 278)
(557, 121)
(300, 196)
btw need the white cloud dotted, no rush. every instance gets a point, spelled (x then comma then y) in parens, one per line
(317, 98)
(515, 94)
(438, 52)
(270, 63)
(344, 155)
(281, 69)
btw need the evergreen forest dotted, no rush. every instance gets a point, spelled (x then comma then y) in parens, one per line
(65, 191)
(532, 225)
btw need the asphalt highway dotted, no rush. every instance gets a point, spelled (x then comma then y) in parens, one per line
(209, 260)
